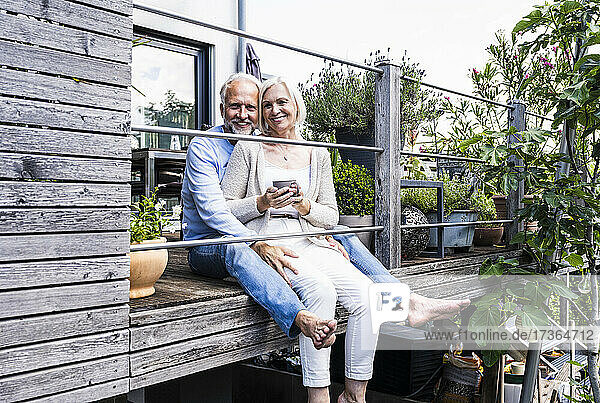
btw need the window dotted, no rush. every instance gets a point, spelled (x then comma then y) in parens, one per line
(169, 87)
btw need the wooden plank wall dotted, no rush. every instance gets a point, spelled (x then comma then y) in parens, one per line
(64, 196)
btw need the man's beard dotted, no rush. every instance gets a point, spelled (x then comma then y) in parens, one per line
(233, 129)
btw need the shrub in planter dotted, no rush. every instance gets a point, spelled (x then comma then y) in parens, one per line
(147, 219)
(340, 101)
(355, 194)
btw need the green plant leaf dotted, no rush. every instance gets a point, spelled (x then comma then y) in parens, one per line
(577, 93)
(533, 317)
(490, 357)
(587, 62)
(575, 260)
(569, 6)
(518, 238)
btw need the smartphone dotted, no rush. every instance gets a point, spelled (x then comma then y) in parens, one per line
(282, 184)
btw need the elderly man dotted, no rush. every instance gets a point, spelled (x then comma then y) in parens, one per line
(257, 266)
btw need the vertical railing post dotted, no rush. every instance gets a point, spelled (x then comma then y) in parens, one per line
(388, 135)
(516, 119)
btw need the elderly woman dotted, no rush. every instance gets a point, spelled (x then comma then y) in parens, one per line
(324, 275)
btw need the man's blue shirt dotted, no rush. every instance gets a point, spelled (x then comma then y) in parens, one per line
(205, 212)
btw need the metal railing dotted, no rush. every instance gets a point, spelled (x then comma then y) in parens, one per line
(249, 137)
(255, 238)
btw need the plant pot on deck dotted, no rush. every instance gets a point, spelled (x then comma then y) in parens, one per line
(500, 203)
(488, 236)
(146, 267)
(343, 135)
(360, 221)
(454, 237)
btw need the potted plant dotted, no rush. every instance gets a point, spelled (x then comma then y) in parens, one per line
(486, 234)
(340, 102)
(458, 207)
(355, 194)
(146, 267)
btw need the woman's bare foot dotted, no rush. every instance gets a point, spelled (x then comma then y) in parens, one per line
(423, 309)
(321, 332)
(354, 391)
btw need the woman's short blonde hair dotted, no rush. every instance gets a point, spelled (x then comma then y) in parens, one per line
(294, 95)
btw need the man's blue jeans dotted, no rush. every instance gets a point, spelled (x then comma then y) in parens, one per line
(256, 277)
(363, 260)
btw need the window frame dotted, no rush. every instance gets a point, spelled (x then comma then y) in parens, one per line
(202, 67)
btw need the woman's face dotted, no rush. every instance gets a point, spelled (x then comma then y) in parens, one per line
(278, 108)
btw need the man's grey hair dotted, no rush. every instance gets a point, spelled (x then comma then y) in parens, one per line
(236, 77)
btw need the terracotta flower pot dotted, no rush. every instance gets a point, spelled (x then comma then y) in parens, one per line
(146, 267)
(488, 236)
(500, 203)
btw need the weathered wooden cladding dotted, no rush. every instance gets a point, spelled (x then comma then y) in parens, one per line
(65, 271)
(124, 7)
(49, 194)
(184, 329)
(33, 140)
(22, 221)
(202, 364)
(63, 63)
(56, 380)
(61, 352)
(44, 167)
(172, 313)
(77, 15)
(15, 248)
(202, 347)
(64, 90)
(34, 32)
(35, 329)
(59, 116)
(35, 301)
(64, 117)
(89, 394)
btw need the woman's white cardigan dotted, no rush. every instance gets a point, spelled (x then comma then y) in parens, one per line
(244, 181)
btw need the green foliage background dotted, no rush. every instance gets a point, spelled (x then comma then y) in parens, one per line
(354, 189)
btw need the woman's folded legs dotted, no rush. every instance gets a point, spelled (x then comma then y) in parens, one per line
(325, 277)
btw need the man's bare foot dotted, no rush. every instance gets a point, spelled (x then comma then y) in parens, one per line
(423, 309)
(320, 331)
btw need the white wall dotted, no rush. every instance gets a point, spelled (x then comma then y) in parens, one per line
(223, 46)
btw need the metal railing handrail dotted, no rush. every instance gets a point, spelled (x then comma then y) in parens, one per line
(539, 116)
(442, 156)
(462, 94)
(247, 35)
(227, 240)
(453, 224)
(263, 139)
(249, 137)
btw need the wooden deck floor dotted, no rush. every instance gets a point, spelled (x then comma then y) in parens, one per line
(193, 323)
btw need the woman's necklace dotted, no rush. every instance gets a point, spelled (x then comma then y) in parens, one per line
(284, 151)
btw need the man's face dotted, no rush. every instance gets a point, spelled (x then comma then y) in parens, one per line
(240, 111)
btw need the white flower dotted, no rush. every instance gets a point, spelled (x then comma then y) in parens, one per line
(176, 210)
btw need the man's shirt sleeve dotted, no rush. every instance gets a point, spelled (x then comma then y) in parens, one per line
(206, 192)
